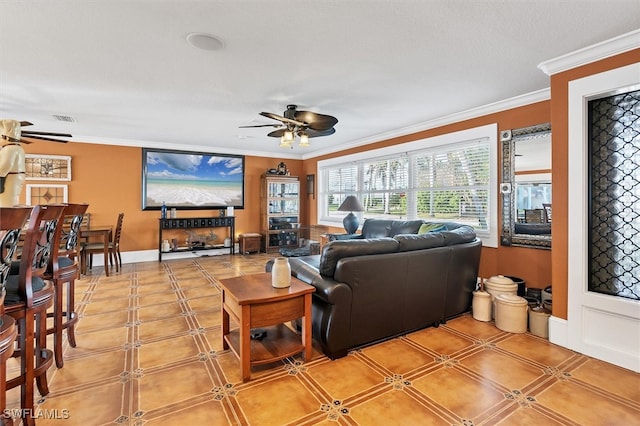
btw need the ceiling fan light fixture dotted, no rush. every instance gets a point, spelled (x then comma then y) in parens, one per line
(304, 141)
(298, 124)
(284, 143)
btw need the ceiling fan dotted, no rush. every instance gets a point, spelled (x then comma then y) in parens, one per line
(305, 124)
(26, 135)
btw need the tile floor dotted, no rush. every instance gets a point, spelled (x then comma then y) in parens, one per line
(149, 353)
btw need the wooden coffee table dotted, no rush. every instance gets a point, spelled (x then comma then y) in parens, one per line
(254, 303)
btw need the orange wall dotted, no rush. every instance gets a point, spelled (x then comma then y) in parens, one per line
(560, 161)
(532, 265)
(108, 177)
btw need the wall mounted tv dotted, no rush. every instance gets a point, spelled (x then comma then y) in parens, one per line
(191, 180)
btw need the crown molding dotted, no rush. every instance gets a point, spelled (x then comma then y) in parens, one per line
(596, 52)
(517, 101)
(179, 147)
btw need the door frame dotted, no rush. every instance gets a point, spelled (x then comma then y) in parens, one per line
(592, 317)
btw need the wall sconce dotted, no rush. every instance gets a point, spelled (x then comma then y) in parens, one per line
(311, 185)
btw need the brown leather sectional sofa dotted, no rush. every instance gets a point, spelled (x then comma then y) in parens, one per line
(388, 281)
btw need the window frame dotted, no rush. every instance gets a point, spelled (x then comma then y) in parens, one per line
(447, 141)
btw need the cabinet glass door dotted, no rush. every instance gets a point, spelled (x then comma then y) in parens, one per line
(283, 198)
(283, 190)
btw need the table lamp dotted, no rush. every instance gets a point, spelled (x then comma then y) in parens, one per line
(350, 221)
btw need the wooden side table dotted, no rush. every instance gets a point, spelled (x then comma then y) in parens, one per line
(253, 303)
(324, 239)
(250, 243)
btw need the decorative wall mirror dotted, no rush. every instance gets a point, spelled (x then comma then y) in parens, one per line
(526, 187)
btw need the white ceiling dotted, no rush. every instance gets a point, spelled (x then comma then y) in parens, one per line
(124, 70)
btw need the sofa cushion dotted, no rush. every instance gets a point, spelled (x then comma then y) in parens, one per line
(376, 228)
(334, 251)
(533, 228)
(459, 235)
(334, 237)
(405, 227)
(410, 242)
(431, 227)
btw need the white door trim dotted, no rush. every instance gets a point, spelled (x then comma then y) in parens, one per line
(601, 326)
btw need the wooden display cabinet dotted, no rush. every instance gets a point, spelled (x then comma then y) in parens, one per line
(280, 212)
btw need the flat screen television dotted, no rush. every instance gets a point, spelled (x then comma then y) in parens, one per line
(191, 180)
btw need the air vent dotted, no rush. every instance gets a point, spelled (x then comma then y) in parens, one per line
(65, 118)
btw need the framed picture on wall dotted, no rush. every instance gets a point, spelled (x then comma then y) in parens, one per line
(46, 194)
(47, 167)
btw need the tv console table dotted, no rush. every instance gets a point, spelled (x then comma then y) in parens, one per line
(195, 223)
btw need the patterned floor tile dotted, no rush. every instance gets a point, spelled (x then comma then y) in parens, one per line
(507, 371)
(150, 352)
(395, 407)
(536, 349)
(397, 356)
(101, 404)
(171, 386)
(609, 378)
(471, 397)
(276, 402)
(345, 377)
(150, 330)
(440, 340)
(586, 407)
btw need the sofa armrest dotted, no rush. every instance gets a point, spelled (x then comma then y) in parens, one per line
(306, 270)
(327, 289)
(331, 311)
(336, 237)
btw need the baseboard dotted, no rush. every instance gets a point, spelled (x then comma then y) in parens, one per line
(152, 255)
(558, 331)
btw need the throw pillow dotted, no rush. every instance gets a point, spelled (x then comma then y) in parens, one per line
(431, 227)
(460, 235)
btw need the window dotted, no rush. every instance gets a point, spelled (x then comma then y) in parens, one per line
(446, 178)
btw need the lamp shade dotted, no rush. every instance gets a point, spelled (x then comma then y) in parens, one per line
(350, 221)
(351, 204)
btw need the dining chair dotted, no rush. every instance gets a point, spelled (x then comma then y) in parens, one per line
(63, 269)
(547, 212)
(88, 249)
(534, 216)
(27, 299)
(12, 220)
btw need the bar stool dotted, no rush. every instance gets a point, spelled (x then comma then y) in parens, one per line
(63, 270)
(27, 299)
(12, 219)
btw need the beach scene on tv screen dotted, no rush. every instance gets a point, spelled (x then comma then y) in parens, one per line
(193, 180)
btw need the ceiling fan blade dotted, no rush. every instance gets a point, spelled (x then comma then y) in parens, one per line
(29, 132)
(316, 121)
(261, 125)
(277, 133)
(310, 132)
(24, 141)
(25, 124)
(318, 133)
(283, 119)
(24, 137)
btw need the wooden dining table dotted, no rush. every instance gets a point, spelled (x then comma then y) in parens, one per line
(103, 234)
